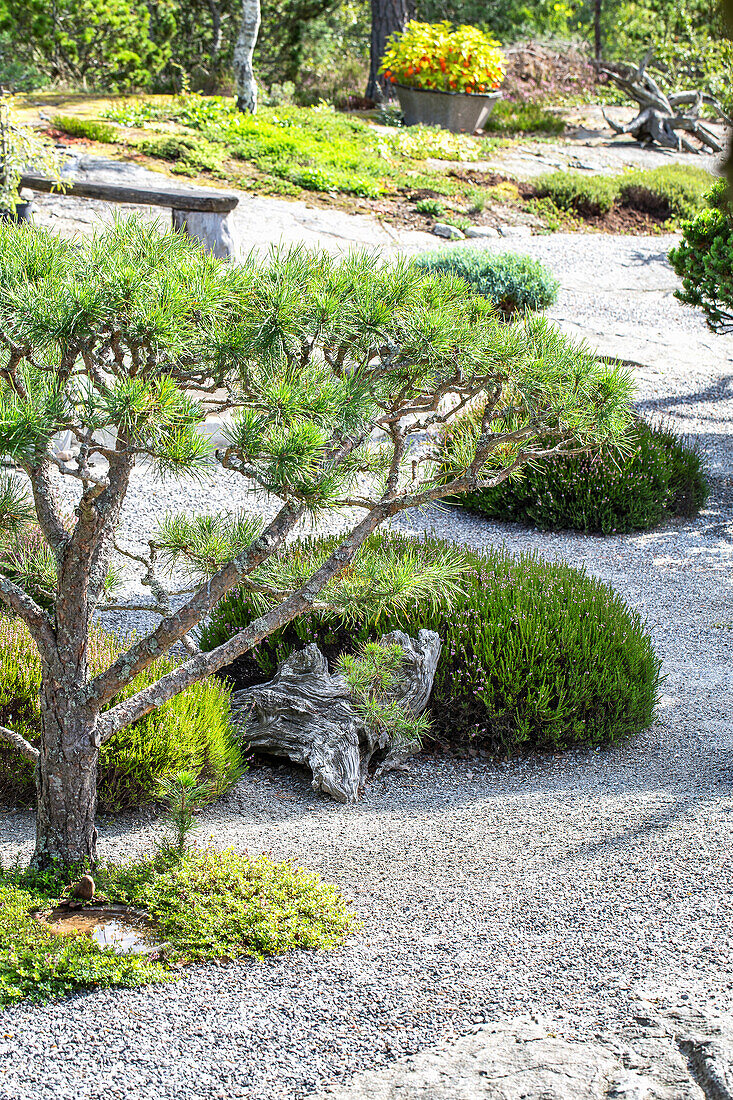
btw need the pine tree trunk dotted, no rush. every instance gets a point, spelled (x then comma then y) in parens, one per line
(243, 53)
(597, 29)
(66, 782)
(216, 35)
(388, 16)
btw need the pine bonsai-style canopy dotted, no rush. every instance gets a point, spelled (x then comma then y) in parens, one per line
(337, 378)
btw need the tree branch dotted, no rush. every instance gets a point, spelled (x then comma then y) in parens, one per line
(26, 608)
(137, 706)
(48, 513)
(20, 744)
(173, 627)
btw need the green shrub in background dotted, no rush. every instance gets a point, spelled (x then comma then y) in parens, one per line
(534, 655)
(577, 193)
(668, 193)
(525, 117)
(89, 128)
(512, 282)
(193, 731)
(105, 44)
(189, 153)
(632, 490)
(674, 191)
(704, 261)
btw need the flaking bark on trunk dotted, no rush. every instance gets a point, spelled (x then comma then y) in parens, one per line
(66, 781)
(243, 53)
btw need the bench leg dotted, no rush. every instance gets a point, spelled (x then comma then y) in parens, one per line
(213, 230)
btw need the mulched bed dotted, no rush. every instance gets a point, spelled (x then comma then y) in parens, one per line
(644, 218)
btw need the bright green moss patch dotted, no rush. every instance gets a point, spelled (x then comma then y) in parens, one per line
(205, 905)
(90, 128)
(523, 117)
(308, 148)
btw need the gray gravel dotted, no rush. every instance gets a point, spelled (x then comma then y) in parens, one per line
(567, 885)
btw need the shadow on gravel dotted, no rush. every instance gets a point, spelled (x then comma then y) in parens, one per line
(648, 259)
(719, 390)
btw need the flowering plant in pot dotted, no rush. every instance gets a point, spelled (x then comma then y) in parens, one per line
(444, 75)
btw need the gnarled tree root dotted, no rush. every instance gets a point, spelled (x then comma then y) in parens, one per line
(309, 716)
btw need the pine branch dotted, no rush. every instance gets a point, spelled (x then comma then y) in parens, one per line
(23, 747)
(174, 627)
(26, 608)
(137, 706)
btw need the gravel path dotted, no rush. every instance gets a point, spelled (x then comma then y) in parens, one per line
(565, 885)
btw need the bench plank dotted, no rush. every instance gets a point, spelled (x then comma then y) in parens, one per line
(206, 202)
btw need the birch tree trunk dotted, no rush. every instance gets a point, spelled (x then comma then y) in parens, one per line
(243, 52)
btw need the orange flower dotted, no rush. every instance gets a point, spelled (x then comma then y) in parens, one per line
(442, 64)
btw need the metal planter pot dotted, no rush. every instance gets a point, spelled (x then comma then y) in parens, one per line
(22, 213)
(461, 112)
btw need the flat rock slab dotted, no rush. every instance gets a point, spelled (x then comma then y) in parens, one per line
(682, 1058)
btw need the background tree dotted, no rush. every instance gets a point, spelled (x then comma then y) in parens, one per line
(388, 17)
(341, 376)
(96, 43)
(244, 48)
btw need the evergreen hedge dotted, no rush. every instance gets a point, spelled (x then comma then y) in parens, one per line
(534, 655)
(658, 476)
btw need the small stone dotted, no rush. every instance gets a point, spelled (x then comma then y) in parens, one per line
(515, 230)
(64, 456)
(482, 232)
(84, 888)
(452, 232)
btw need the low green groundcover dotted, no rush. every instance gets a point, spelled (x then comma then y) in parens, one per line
(659, 475)
(510, 281)
(534, 655)
(193, 731)
(671, 192)
(207, 904)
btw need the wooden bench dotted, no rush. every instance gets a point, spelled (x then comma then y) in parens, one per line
(201, 214)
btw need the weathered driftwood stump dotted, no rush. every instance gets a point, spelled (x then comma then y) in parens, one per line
(309, 716)
(661, 116)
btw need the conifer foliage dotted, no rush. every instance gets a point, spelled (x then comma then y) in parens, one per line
(337, 377)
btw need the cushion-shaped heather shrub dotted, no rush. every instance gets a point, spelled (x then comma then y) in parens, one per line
(577, 193)
(672, 191)
(534, 655)
(193, 731)
(511, 281)
(659, 475)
